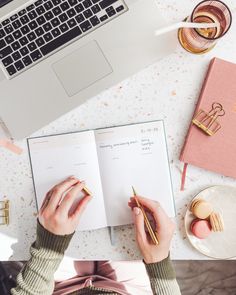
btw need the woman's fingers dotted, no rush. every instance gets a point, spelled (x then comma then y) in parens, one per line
(80, 208)
(150, 204)
(132, 204)
(141, 235)
(70, 197)
(155, 208)
(59, 190)
(54, 213)
(45, 202)
(164, 226)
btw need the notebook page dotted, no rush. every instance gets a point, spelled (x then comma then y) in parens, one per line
(133, 155)
(54, 158)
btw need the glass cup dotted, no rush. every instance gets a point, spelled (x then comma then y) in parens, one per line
(199, 41)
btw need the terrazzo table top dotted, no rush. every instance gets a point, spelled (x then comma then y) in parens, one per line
(166, 90)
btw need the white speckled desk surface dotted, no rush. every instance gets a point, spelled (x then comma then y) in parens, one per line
(166, 90)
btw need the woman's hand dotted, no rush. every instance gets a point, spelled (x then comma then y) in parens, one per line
(164, 227)
(54, 213)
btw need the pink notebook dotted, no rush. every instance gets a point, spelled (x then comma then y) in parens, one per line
(218, 152)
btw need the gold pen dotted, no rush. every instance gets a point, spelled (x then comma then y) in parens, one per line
(147, 222)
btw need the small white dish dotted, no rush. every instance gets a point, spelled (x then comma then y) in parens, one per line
(219, 245)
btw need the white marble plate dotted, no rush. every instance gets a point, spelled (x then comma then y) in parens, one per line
(220, 245)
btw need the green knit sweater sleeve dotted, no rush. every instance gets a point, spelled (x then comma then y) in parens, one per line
(162, 278)
(37, 276)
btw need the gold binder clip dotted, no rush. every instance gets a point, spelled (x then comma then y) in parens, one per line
(4, 212)
(208, 121)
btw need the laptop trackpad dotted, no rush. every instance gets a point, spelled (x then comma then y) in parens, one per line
(82, 68)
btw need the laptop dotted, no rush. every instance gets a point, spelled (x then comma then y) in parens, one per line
(55, 54)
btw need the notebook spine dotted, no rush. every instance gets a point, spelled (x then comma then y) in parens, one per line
(183, 151)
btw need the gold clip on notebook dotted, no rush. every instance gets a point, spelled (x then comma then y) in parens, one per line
(207, 121)
(4, 212)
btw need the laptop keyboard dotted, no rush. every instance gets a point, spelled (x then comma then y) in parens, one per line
(41, 28)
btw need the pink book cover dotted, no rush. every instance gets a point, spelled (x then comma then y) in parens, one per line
(216, 153)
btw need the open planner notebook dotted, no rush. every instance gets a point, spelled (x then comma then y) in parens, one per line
(110, 160)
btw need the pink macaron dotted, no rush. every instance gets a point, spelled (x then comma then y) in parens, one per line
(200, 228)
